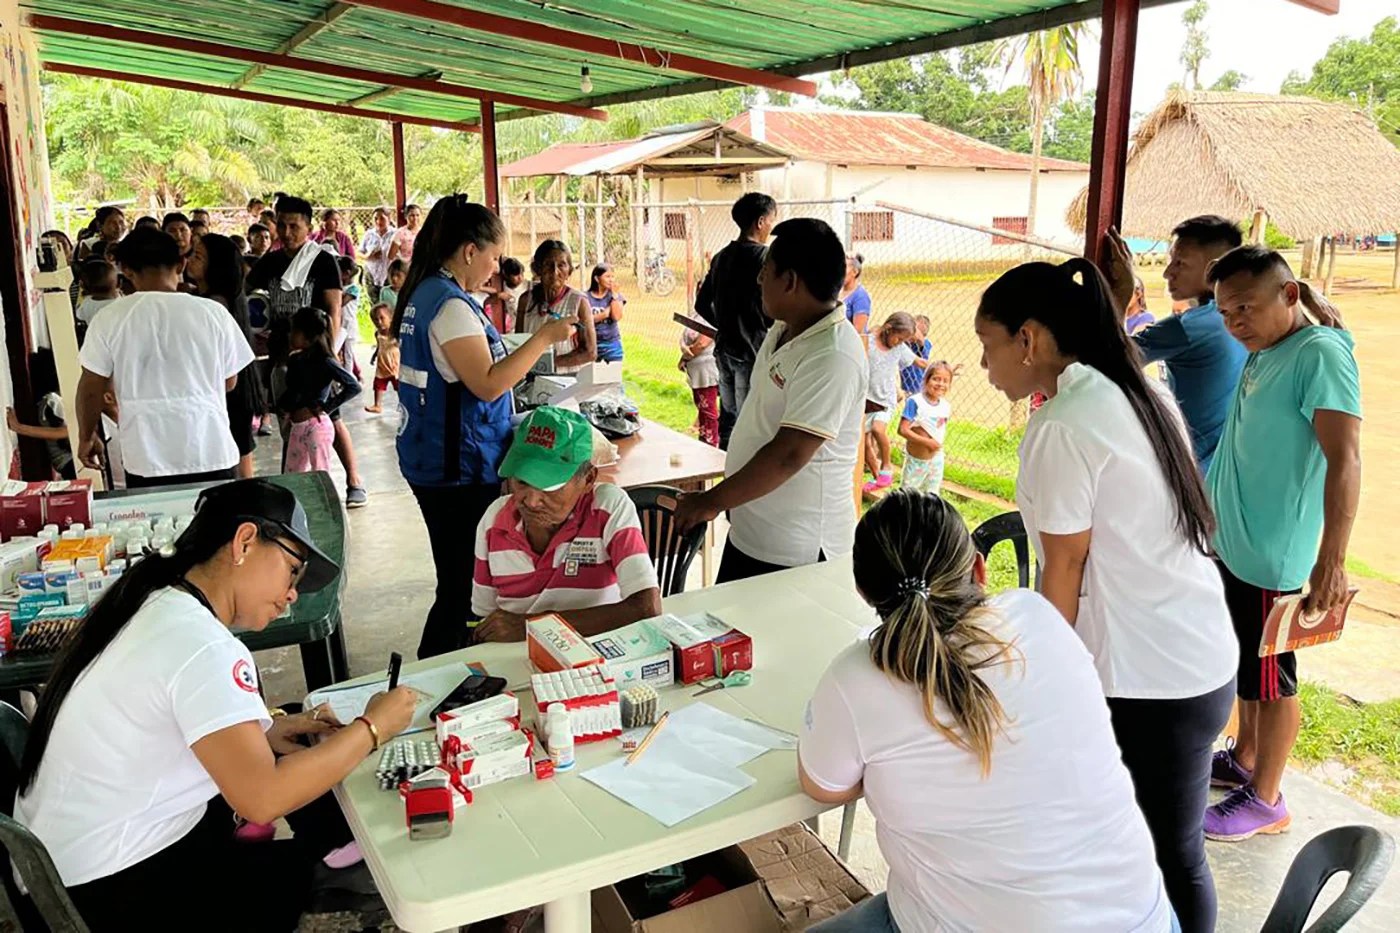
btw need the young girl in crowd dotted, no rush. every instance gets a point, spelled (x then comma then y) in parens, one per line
(389, 294)
(702, 372)
(911, 377)
(975, 728)
(313, 375)
(386, 355)
(552, 299)
(607, 305)
(349, 314)
(889, 353)
(1108, 486)
(99, 281)
(923, 425)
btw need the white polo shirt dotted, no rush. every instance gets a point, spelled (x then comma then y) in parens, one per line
(1051, 839)
(816, 384)
(168, 355)
(119, 782)
(1152, 608)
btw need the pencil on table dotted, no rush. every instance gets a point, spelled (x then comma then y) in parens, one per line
(647, 741)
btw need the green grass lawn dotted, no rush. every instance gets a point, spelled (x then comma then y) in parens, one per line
(1363, 737)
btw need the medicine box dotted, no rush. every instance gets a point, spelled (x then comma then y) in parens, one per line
(21, 508)
(637, 654)
(553, 645)
(705, 646)
(18, 557)
(462, 720)
(495, 758)
(590, 696)
(68, 501)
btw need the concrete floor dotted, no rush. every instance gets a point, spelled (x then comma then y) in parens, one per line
(389, 591)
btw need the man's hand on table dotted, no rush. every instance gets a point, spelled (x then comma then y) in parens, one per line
(694, 508)
(501, 626)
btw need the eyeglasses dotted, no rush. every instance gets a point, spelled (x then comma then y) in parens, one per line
(299, 567)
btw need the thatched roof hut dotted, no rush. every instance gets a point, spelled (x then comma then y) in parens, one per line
(1315, 168)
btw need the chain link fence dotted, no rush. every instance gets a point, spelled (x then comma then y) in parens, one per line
(913, 261)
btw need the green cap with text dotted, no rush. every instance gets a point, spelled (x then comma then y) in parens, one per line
(550, 446)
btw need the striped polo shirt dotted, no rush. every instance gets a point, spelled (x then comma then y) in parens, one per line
(597, 558)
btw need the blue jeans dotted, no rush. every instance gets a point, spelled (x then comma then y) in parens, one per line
(871, 915)
(733, 389)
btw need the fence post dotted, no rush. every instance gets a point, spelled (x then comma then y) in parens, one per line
(692, 226)
(638, 227)
(850, 223)
(582, 248)
(534, 237)
(1331, 241)
(598, 220)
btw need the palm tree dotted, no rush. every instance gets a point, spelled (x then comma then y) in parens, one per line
(1050, 59)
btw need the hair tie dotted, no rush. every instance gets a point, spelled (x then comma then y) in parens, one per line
(912, 586)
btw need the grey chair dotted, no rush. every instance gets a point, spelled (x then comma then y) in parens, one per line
(47, 896)
(1363, 851)
(671, 551)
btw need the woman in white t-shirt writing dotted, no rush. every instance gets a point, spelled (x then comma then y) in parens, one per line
(1118, 515)
(151, 733)
(976, 730)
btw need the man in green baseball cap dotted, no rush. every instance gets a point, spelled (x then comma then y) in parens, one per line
(561, 541)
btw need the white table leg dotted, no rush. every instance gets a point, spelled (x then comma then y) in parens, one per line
(707, 549)
(571, 913)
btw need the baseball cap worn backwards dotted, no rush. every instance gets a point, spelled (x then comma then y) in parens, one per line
(550, 446)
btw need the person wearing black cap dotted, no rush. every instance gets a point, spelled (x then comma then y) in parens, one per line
(151, 733)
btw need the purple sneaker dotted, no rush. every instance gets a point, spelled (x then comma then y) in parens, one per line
(1226, 771)
(1242, 814)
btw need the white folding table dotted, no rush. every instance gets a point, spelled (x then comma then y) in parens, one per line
(526, 842)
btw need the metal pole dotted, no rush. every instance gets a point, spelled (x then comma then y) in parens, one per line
(638, 228)
(598, 218)
(400, 176)
(582, 247)
(490, 170)
(1108, 160)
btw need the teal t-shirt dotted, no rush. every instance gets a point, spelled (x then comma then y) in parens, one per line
(1267, 476)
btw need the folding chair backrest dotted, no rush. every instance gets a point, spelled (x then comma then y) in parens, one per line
(1363, 851)
(1007, 526)
(671, 552)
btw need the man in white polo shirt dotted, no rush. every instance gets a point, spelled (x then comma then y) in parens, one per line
(169, 358)
(787, 483)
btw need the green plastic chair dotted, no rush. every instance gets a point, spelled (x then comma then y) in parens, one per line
(47, 896)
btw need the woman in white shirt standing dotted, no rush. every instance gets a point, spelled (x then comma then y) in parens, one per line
(151, 733)
(977, 732)
(1118, 515)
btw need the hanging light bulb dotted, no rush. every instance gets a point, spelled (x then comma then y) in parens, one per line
(585, 83)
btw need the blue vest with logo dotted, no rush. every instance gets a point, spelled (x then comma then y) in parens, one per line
(448, 436)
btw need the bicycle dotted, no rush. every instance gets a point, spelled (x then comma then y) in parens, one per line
(657, 277)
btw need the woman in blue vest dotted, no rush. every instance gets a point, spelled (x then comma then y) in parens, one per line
(455, 382)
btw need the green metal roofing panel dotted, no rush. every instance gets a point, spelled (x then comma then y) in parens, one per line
(782, 35)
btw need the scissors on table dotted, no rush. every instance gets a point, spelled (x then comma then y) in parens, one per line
(735, 679)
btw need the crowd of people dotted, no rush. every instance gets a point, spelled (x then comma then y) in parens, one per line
(1034, 760)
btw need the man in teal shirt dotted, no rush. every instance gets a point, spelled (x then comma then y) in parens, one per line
(1203, 361)
(1286, 475)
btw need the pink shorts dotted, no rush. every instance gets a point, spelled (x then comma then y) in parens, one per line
(309, 446)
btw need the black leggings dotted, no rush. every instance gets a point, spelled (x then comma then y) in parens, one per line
(736, 565)
(452, 514)
(1166, 746)
(210, 881)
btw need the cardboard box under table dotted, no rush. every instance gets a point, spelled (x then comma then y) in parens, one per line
(312, 623)
(525, 842)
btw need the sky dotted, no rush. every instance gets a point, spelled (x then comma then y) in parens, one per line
(1264, 39)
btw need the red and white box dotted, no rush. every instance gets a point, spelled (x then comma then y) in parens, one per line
(553, 645)
(479, 719)
(705, 646)
(495, 758)
(589, 694)
(21, 509)
(69, 501)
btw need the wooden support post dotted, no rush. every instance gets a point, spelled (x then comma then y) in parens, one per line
(400, 174)
(1108, 160)
(1395, 272)
(1309, 257)
(534, 235)
(584, 267)
(598, 256)
(1331, 266)
(490, 169)
(1258, 226)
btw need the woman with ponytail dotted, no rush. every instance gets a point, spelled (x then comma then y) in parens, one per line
(975, 728)
(455, 382)
(1118, 515)
(151, 734)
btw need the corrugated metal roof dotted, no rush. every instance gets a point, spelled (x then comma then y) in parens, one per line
(787, 36)
(851, 137)
(690, 150)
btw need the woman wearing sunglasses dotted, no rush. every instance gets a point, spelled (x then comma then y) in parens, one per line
(152, 734)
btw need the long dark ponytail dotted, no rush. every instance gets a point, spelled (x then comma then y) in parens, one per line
(223, 280)
(210, 530)
(453, 222)
(1072, 301)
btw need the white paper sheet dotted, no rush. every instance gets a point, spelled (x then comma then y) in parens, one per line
(431, 685)
(730, 739)
(672, 781)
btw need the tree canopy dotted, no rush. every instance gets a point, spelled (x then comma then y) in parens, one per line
(1364, 71)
